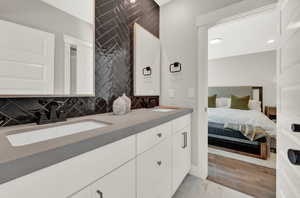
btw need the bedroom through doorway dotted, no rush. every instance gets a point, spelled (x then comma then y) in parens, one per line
(242, 60)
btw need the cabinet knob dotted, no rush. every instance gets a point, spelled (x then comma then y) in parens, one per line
(159, 163)
(294, 156)
(159, 135)
(100, 194)
(295, 128)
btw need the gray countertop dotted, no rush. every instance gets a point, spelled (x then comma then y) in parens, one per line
(19, 161)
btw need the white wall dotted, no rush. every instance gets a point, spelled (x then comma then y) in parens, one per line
(247, 70)
(178, 33)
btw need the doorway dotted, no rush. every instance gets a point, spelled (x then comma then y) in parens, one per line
(225, 166)
(241, 93)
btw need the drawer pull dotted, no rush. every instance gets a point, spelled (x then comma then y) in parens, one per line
(159, 163)
(159, 135)
(185, 140)
(294, 156)
(100, 194)
(295, 127)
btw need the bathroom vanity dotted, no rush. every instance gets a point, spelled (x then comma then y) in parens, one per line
(144, 154)
(52, 69)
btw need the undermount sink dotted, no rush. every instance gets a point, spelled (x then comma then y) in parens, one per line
(40, 135)
(163, 110)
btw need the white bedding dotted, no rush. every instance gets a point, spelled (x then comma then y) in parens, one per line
(235, 116)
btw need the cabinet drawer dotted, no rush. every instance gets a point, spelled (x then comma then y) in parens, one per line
(85, 193)
(152, 137)
(181, 122)
(154, 171)
(67, 177)
(118, 184)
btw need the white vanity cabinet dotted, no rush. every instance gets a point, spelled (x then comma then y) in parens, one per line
(64, 179)
(150, 164)
(119, 183)
(151, 137)
(181, 156)
(154, 171)
(181, 150)
(85, 193)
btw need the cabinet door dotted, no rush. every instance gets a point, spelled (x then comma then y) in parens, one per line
(85, 193)
(119, 183)
(154, 172)
(181, 156)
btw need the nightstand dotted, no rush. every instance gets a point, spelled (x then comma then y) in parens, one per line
(271, 112)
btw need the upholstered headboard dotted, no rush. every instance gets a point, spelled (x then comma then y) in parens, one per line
(256, 93)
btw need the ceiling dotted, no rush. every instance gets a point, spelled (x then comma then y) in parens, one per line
(78, 8)
(246, 35)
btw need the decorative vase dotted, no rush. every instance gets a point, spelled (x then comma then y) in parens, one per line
(120, 106)
(128, 103)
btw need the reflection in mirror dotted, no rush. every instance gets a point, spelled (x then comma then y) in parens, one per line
(78, 66)
(46, 48)
(73, 65)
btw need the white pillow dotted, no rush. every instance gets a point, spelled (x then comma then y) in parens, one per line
(254, 105)
(223, 102)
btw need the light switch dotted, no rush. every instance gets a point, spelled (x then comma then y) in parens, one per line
(191, 92)
(172, 93)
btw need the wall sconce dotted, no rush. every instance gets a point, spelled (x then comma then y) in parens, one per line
(175, 67)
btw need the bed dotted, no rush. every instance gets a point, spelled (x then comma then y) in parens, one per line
(233, 140)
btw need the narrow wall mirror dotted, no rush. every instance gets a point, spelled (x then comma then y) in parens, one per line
(146, 63)
(46, 48)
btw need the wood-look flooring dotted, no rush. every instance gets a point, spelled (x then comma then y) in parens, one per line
(257, 181)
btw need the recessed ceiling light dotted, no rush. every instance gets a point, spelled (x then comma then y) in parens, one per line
(216, 41)
(271, 41)
(132, 1)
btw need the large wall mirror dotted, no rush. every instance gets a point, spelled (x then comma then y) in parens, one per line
(46, 48)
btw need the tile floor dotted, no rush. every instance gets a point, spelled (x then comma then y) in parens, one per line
(193, 187)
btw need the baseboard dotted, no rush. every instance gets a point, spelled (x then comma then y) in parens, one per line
(195, 171)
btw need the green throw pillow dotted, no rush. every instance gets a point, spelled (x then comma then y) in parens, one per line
(240, 102)
(212, 101)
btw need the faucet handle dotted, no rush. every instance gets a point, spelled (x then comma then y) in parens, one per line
(41, 117)
(62, 115)
(53, 112)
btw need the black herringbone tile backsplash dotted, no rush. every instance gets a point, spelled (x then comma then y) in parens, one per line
(114, 65)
